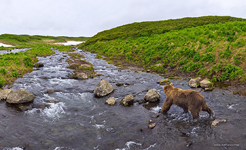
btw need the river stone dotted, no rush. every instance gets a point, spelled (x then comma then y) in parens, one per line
(52, 101)
(127, 100)
(205, 83)
(103, 88)
(164, 81)
(194, 83)
(50, 91)
(82, 76)
(151, 124)
(216, 121)
(20, 96)
(111, 101)
(39, 65)
(152, 96)
(4, 94)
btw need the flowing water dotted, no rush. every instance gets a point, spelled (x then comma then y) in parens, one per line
(81, 121)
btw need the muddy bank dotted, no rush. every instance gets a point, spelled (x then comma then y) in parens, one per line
(79, 120)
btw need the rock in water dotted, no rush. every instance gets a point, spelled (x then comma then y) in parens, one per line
(20, 97)
(127, 100)
(216, 121)
(164, 81)
(103, 88)
(205, 83)
(4, 94)
(152, 96)
(82, 76)
(151, 124)
(111, 101)
(194, 83)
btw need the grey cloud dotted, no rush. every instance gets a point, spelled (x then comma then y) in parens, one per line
(87, 17)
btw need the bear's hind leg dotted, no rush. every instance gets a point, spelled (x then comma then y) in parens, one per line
(207, 109)
(185, 109)
(195, 114)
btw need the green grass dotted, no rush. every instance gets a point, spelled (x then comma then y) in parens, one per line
(215, 50)
(14, 65)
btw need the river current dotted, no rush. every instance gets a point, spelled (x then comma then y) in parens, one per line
(81, 121)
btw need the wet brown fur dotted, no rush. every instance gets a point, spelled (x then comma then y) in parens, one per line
(187, 99)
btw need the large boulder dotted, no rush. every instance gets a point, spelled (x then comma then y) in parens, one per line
(127, 100)
(4, 94)
(205, 83)
(103, 88)
(152, 96)
(193, 83)
(20, 97)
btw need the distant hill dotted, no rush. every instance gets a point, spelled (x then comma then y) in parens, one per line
(139, 29)
(19, 40)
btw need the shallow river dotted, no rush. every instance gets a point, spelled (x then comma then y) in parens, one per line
(81, 121)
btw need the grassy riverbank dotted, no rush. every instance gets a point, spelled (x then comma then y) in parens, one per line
(14, 65)
(28, 41)
(216, 51)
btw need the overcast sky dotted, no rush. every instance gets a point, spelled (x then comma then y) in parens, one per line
(87, 17)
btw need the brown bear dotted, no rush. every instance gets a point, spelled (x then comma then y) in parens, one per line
(186, 99)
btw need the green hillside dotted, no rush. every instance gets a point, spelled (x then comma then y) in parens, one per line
(158, 27)
(216, 50)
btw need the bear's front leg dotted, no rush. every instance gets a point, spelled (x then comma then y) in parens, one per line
(166, 106)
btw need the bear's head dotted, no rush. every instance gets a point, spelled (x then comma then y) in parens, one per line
(167, 88)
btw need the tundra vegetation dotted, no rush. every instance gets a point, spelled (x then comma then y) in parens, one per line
(213, 47)
(14, 65)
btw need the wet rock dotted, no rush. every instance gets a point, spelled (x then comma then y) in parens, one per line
(23, 107)
(127, 100)
(4, 94)
(39, 65)
(20, 96)
(151, 124)
(45, 77)
(152, 96)
(209, 89)
(50, 91)
(119, 84)
(155, 116)
(216, 121)
(98, 74)
(111, 101)
(52, 101)
(103, 88)
(205, 83)
(164, 81)
(81, 76)
(40, 106)
(193, 83)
